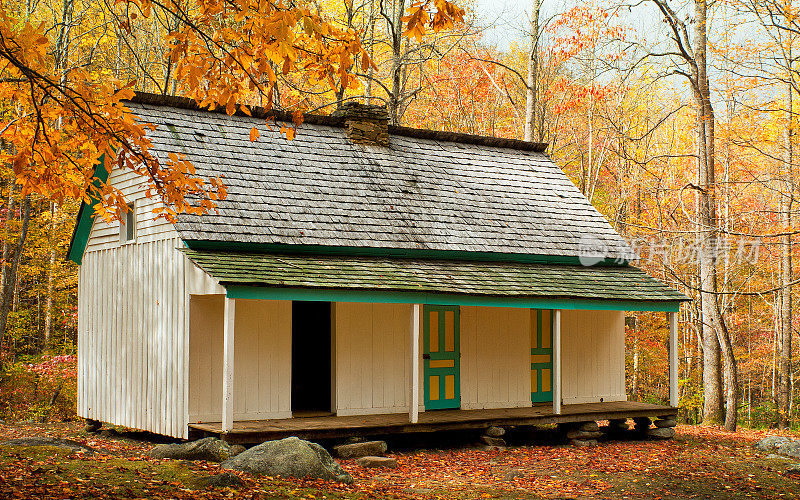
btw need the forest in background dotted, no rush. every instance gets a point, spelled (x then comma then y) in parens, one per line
(684, 137)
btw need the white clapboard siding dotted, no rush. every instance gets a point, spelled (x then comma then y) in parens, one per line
(262, 353)
(371, 358)
(593, 356)
(106, 234)
(495, 358)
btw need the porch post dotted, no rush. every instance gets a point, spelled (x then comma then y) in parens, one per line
(413, 399)
(557, 362)
(227, 365)
(672, 319)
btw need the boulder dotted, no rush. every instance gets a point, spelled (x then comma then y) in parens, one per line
(495, 432)
(583, 442)
(377, 462)
(588, 426)
(790, 449)
(66, 445)
(771, 443)
(209, 449)
(289, 457)
(664, 423)
(493, 441)
(224, 480)
(92, 425)
(661, 433)
(362, 449)
(579, 434)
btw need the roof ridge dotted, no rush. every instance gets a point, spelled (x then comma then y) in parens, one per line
(338, 121)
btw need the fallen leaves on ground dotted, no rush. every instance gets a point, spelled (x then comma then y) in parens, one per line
(701, 462)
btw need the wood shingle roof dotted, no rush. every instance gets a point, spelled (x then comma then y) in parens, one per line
(420, 193)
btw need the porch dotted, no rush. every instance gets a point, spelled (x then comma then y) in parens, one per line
(322, 427)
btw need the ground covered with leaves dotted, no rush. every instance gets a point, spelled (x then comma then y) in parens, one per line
(698, 463)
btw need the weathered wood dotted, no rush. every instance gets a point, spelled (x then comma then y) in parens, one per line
(672, 319)
(413, 400)
(227, 364)
(252, 431)
(557, 362)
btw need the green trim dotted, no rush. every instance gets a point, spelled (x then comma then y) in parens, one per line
(541, 396)
(455, 355)
(389, 297)
(408, 253)
(83, 224)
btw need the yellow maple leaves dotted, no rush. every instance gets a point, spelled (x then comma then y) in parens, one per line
(56, 123)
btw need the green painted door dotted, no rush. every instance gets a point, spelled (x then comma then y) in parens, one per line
(441, 357)
(541, 355)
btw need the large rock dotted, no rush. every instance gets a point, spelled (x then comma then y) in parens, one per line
(790, 449)
(771, 443)
(377, 462)
(495, 432)
(587, 426)
(493, 441)
(66, 445)
(210, 449)
(664, 423)
(290, 457)
(661, 433)
(579, 434)
(358, 450)
(92, 425)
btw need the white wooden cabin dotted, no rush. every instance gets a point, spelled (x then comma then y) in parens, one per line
(418, 283)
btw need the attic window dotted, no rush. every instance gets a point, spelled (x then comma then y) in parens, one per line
(127, 224)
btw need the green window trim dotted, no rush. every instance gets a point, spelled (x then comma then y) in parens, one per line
(83, 224)
(392, 297)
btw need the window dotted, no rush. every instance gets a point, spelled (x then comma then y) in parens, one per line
(127, 224)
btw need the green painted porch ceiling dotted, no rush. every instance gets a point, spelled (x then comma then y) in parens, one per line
(488, 279)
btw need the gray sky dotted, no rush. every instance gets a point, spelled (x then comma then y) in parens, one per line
(507, 20)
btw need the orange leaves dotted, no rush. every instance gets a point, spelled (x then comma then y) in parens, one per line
(431, 15)
(254, 134)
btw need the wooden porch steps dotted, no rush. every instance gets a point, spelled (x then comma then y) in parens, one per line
(256, 431)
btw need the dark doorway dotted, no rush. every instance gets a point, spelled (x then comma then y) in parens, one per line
(311, 358)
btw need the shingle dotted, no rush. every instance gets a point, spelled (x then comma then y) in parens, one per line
(499, 279)
(320, 189)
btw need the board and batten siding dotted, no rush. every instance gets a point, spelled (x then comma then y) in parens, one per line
(495, 358)
(372, 364)
(371, 358)
(593, 356)
(133, 321)
(262, 353)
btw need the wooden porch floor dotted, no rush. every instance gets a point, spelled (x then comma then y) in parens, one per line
(254, 431)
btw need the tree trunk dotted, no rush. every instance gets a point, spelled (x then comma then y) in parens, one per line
(10, 266)
(707, 225)
(48, 305)
(533, 74)
(785, 338)
(397, 63)
(716, 338)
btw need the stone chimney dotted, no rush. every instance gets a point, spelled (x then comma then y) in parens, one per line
(365, 123)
